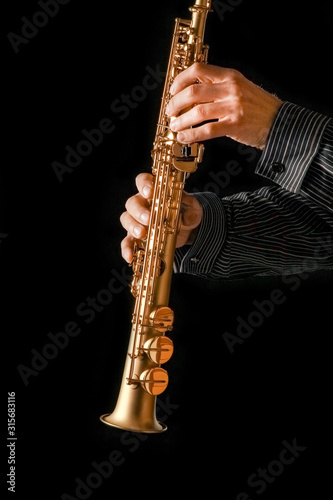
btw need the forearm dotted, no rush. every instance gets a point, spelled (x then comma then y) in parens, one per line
(274, 229)
(269, 231)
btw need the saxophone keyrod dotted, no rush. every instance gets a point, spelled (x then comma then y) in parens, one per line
(132, 356)
(131, 381)
(155, 349)
(186, 22)
(154, 381)
(155, 326)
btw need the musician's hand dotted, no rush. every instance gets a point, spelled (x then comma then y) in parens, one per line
(241, 110)
(136, 218)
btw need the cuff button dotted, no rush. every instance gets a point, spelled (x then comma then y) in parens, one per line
(278, 168)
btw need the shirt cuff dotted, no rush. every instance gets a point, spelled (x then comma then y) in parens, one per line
(199, 258)
(292, 144)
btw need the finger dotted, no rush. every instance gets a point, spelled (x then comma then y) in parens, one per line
(204, 132)
(199, 72)
(193, 212)
(194, 94)
(137, 208)
(127, 248)
(132, 226)
(197, 115)
(145, 185)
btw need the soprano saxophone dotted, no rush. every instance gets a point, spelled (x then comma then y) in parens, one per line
(143, 377)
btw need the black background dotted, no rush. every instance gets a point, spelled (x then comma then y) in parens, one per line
(230, 413)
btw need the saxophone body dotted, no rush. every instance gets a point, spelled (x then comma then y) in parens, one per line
(149, 346)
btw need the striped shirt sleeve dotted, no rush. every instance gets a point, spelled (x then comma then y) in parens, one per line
(318, 181)
(299, 153)
(199, 257)
(277, 229)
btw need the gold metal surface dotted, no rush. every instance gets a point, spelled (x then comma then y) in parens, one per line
(159, 349)
(143, 378)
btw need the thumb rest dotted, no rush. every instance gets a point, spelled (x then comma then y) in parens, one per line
(143, 378)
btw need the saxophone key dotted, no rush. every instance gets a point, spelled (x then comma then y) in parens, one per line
(154, 381)
(159, 349)
(162, 319)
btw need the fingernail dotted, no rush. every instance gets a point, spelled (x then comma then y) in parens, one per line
(145, 217)
(173, 124)
(137, 230)
(181, 137)
(172, 89)
(146, 191)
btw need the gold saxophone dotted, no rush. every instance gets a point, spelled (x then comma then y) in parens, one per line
(143, 378)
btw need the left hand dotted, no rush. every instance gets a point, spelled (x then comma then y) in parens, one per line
(136, 217)
(241, 110)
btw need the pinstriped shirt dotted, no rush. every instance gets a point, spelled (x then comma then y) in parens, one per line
(276, 229)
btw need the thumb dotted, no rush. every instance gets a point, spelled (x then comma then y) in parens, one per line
(191, 210)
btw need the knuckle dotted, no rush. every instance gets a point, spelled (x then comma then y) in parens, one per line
(192, 92)
(238, 116)
(200, 112)
(234, 75)
(238, 109)
(127, 204)
(142, 177)
(130, 203)
(237, 95)
(197, 68)
(208, 129)
(236, 86)
(122, 218)
(142, 180)
(139, 178)
(192, 135)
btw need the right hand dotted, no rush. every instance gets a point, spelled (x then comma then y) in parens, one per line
(136, 217)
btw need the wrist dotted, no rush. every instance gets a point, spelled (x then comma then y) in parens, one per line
(192, 236)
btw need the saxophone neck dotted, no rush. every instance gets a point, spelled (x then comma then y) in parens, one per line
(206, 4)
(199, 15)
(201, 6)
